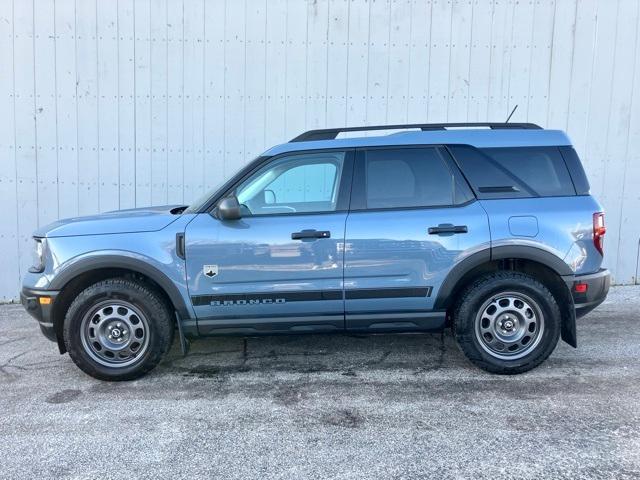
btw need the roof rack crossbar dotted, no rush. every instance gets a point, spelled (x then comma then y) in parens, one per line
(332, 133)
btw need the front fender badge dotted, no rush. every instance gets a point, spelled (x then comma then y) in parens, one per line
(210, 270)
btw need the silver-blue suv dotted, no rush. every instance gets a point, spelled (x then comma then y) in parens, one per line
(487, 228)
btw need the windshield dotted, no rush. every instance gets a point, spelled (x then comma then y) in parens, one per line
(199, 202)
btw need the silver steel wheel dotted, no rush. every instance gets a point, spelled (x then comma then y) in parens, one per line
(115, 333)
(509, 325)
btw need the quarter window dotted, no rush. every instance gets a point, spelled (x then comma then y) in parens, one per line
(512, 172)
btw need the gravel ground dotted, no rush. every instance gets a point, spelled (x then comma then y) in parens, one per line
(382, 406)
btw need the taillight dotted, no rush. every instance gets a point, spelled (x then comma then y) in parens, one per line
(598, 231)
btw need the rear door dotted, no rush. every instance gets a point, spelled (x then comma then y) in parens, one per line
(412, 218)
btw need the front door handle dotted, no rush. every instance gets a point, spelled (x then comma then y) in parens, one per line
(310, 234)
(447, 228)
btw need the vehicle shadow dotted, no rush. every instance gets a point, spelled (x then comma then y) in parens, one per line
(341, 353)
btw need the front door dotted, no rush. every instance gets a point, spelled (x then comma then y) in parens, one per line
(412, 218)
(278, 268)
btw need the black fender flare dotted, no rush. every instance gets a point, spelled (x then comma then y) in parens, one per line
(525, 252)
(125, 262)
(536, 254)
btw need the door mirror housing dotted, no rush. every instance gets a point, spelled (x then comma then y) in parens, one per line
(229, 208)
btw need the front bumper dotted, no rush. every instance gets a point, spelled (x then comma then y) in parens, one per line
(41, 310)
(597, 287)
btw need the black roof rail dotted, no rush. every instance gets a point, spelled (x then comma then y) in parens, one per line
(332, 133)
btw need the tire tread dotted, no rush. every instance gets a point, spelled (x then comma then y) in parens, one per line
(162, 323)
(464, 318)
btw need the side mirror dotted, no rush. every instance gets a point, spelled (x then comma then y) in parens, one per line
(229, 208)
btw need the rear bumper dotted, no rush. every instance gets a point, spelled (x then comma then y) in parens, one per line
(597, 287)
(43, 313)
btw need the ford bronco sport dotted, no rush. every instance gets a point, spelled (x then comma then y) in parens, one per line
(487, 228)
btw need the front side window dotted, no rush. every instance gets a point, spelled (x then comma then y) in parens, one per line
(409, 177)
(305, 183)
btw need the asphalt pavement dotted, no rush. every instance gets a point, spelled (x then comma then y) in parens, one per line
(341, 406)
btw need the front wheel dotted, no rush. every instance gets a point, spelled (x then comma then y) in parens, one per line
(507, 322)
(118, 329)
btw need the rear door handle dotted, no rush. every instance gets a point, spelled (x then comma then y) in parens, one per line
(447, 228)
(310, 234)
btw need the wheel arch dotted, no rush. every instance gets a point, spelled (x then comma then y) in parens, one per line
(76, 277)
(540, 264)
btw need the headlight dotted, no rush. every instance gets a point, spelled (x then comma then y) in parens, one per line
(38, 256)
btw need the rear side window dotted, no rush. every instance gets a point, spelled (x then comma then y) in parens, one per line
(410, 177)
(515, 172)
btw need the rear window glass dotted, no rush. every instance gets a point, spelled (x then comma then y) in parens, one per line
(409, 177)
(515, 172)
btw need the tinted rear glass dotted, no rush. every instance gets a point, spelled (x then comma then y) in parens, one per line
(408, 177)
(515, 172)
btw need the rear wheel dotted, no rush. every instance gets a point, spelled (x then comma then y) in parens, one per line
(507, 322)
(118, 329)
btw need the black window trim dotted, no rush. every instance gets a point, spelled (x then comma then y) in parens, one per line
(344, 189)
(576, 170)
(358, 190)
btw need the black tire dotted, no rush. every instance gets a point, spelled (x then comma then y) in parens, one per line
(145, 303)
(489, 290)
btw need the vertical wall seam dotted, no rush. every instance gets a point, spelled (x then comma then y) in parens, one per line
(531, 48)
(446, 119)
(604, 160)
(266, 67)
(593, 60)
(35, 110)
(626, 160)
(98, 182)
(366, 100)
(182, 106)
(469, 63)
(15, 131)
(151, 155)
(493, 15)
(306, 69)
(571, 67)
(55, 106)
(406, 111)
(166, 103)
(135, 113)
(346, 83)
(244, 83)
(513, 13)
(551, 49)
(386, 110)
(224, 91)
(326, 65)
(203, 102)
(77, 80)
(428, 79)
(118, 101)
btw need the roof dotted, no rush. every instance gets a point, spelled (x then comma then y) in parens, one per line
(481, 138)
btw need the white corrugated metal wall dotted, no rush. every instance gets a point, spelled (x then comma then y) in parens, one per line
(109, 104)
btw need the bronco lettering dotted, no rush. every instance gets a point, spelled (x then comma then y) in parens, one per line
(251, 301)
